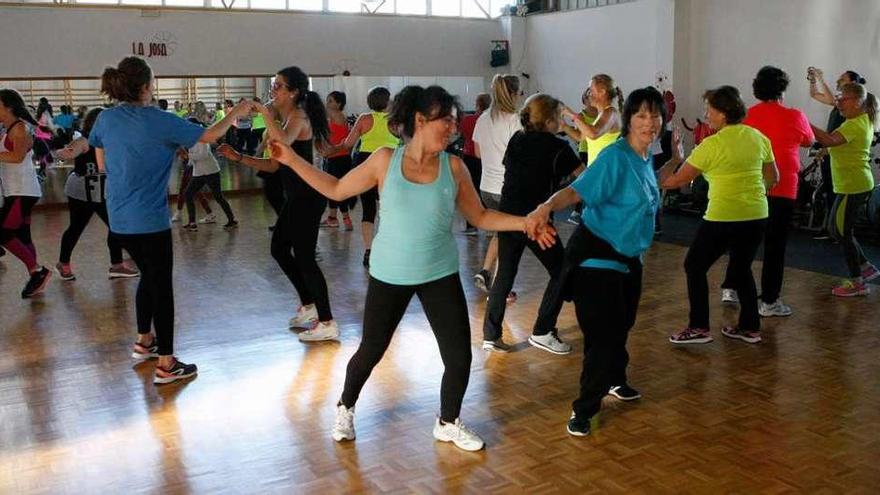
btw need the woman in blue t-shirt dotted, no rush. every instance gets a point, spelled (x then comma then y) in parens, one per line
(135, 144)
(603, 267)
(414, 252)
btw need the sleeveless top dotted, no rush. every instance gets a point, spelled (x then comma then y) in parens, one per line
(595, 146)
(19, 179)
(86, 183)
(378, 136)
(294, 186)
(583, 146)
(338, 133)
(414, 244)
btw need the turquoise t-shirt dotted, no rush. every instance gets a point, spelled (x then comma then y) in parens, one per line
(139, 143)
(415, 244)
(620, 198)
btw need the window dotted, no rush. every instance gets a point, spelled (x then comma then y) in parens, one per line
(449, 8)
(412, 7)
(471, 8)
(184, 3)
(344, 5)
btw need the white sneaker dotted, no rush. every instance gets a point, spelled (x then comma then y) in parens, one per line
(458, 434)
(550, 342)
(326, 330)
(775, 309)
(209, 218)
(496, 346)
(305, 318)
(729, 296)
(175, 217)
(343, 428)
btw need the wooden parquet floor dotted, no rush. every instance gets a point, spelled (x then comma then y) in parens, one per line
(799, 413)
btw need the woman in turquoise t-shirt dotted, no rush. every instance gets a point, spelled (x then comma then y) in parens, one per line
(414, 252)
(603, 267)
(849, 147)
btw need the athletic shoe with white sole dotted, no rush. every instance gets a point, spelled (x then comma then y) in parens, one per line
(496, 346)
(624, 392)
(691, 336)
(209, 218)
(729, 296)
(776, 308)
(178, 371)
(550, 342)
(305, 318)
(142, 352)
(325, 330)
(749, 336)
(579, 427)
(122, 272)
(343, 428)
(459, 434)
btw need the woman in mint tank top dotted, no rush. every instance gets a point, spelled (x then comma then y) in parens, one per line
(414, 252)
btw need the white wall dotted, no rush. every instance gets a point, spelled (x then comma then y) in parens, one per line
(82, 41)
(726, 42)
(632, 42)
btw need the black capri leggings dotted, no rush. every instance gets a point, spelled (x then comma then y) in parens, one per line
(445, 306)
(338, 166)
(368, 198)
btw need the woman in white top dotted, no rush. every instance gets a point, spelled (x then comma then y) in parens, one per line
(205, 172)
(491, 135)
(21, 190)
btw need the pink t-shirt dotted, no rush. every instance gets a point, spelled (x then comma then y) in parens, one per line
(787, 129)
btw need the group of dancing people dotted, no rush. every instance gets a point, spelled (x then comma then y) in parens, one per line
(750, 163)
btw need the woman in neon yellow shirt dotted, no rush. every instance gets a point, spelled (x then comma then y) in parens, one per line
(588, 115)
(738, 163)
(606, 128)
(849, 147)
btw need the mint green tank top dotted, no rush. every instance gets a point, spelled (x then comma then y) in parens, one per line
(414, 244)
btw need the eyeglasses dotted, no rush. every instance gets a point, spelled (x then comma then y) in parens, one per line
(278, 85)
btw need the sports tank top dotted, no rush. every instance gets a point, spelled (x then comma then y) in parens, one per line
(595, 146)
(19, 179)
(338, 133)
(378, 136)
(86, 183)
(583, 145)
(414, 244)
(295, 187)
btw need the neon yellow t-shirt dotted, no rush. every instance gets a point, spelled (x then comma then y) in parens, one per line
(850, 162)
(595, 146)
(181, 113)
(218, 115)
(259, 122)
(732, 161)
(583, 145)
(378, 136)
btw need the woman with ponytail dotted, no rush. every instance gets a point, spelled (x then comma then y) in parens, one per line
(605, 129)
(303, 123)
(492, 132)
(21, 189)
(850, 149)
(135, 143)
(414, 252)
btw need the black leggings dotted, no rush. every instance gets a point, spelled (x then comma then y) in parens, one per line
(196, 183)
(368, 198)
(445, 306)
(293, 246)
(510, 250)
(841, 227)
(154, 303)
(80, 214)
(273, 189)
(605, 303)
(338, 166)
(713, 239)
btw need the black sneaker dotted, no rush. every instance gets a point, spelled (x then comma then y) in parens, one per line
(624, 392)
(191, 227)
(230, 225)
(483, 280)
(178, 371)
(37, 283)
(579, 427)
(367, 258)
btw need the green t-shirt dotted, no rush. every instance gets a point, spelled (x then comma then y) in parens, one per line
(181, 113)
(259, 122)
(218, 115)
(732, 161)
(850, 162)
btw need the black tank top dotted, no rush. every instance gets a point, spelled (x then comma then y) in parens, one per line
(293, 184)
(86, 164)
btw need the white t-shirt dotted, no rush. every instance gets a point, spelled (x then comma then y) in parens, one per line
(492, 135)
(202, 160)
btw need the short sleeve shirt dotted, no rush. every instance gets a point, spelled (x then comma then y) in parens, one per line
(850, 162)
(788, 130)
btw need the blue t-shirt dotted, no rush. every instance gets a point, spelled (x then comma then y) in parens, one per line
(139, 144)
(620, 197)
(65, 120)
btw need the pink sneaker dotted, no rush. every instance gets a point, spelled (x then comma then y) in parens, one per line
(750, 336)
(869, 273)
(850, 288)
(691, 336)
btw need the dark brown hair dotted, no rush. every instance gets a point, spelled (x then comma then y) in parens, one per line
(378, 99)
(126, 81)
(726, 100)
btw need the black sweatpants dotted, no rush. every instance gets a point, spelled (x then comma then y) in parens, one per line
(775, 241)
(154, 256)
(605, 303)
(80, 214)
(841, 227)
(712, 240)
(510, 250)
(445, 306)
(293, 246)
(196, 183)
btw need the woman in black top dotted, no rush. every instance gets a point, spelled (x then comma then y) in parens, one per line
(295, 237)
(535, 163)
(85, 197)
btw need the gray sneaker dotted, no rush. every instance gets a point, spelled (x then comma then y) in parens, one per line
(777, 308)
(550, 342)
(496, 346)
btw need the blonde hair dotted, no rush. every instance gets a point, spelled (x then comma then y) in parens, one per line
(505, 89)
(537, 110)
(607, 83)
(868, 100)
